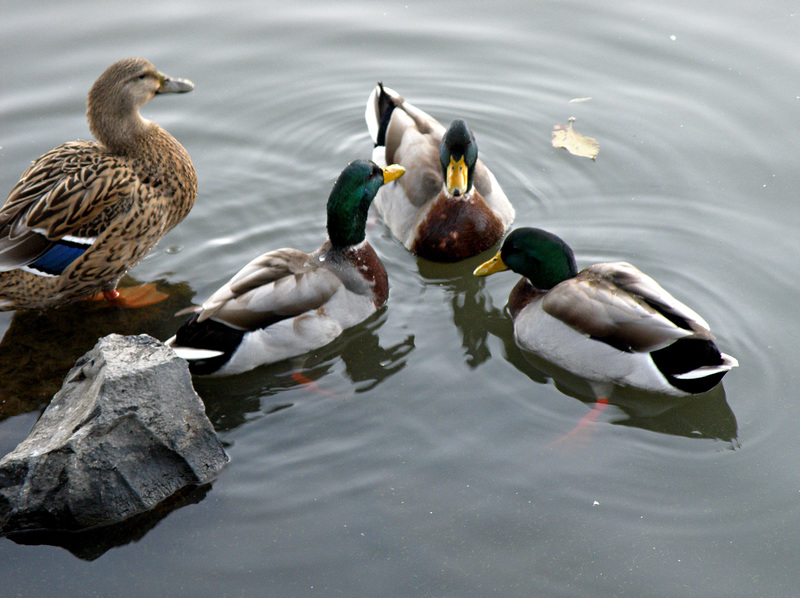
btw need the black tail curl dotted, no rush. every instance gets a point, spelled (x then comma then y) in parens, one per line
(386, 106)
(211, 335)
(685, 355)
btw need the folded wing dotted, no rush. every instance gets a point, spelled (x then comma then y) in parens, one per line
(618, 304)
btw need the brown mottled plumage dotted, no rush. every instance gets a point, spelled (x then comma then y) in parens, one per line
(112, 199)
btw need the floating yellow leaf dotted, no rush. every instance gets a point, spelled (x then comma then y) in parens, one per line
(575, 143)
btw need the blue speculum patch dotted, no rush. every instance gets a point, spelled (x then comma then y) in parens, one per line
(56, 259)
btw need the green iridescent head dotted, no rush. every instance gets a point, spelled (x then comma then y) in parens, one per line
(458, 153)
(350, 198)
(540, 256)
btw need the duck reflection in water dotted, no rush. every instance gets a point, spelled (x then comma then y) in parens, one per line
(706, 415)
(41, 346)
(366, 363)
(469, 304)
(609, 325)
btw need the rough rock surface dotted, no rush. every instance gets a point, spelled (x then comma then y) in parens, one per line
(126, 431)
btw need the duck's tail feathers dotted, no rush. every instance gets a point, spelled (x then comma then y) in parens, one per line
(382, 101)
(206, 345)
(192, 354)
(728, 363)
(192, 309)
(693, 365)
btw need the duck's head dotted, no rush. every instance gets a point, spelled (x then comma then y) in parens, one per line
(458, 153)
(540, 256)
(350, 198)
(118, 94)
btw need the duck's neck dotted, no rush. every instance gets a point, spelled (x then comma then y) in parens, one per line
(160, 160)
(521, 295)
(465, 197)
(338, 252)
(356, 264)
(122, 133)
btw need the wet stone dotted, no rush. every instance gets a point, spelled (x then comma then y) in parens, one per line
(126, 431)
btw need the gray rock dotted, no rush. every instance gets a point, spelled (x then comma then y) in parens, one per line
(126, 431)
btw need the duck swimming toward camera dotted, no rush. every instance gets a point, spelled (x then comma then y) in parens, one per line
(449, 206)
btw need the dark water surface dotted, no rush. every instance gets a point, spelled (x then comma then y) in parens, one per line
(422, 464)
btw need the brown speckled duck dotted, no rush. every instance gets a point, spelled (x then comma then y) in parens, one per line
(85, 212)
(448, 206)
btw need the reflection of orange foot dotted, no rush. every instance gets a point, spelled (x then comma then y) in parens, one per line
(580, 430)
(131, 297)
(309, 383)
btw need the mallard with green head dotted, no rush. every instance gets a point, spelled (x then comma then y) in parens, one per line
(87, 211)
(288, 302)
(449, 206)
(609, 324)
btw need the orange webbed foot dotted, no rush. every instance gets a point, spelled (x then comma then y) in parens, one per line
(132, 297)
(581, 430)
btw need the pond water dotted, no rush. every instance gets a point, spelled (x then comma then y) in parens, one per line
(421, 461)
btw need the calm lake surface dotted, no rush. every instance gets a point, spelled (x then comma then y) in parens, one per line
(422, 463)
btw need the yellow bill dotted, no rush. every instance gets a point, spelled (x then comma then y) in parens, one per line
(491, 266)
(457, 177)
(392, 173)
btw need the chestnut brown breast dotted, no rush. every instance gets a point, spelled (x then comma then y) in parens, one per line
(455, 229)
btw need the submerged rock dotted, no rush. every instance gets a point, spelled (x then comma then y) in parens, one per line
(126, 431)
(92, 543)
